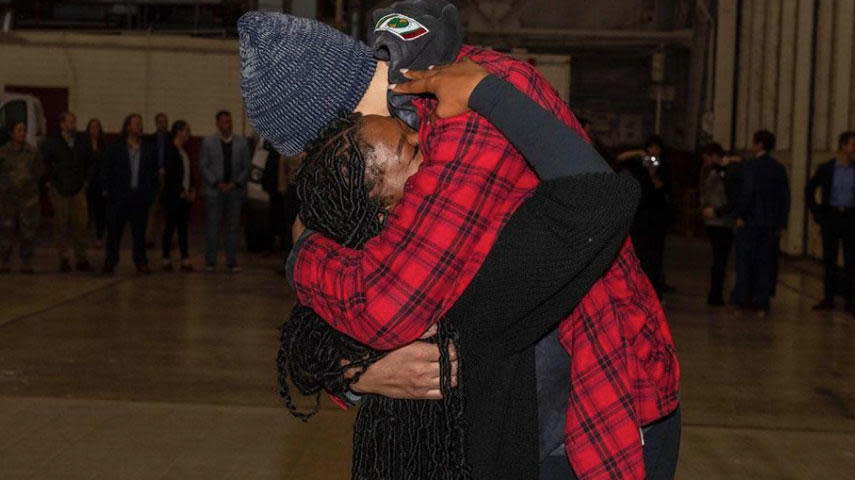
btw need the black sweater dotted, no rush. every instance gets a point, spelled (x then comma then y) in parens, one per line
(546, 258)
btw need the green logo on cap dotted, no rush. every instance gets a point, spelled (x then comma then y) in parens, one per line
(402, 26)
(398, 22)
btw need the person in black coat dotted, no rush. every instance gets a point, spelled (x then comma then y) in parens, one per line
(96, 150)
(835, 214)
(652, 219)
(178, 195)
(270, 182)
(761, 211)
(129, 179)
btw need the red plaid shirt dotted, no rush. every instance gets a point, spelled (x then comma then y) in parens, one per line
(623, 368)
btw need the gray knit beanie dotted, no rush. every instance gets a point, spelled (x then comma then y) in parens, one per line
(297, 74)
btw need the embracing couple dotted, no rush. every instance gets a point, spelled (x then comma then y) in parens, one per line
(464, 272)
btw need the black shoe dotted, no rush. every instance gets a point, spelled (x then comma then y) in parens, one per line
(186, 267)
(83, 266)
(824, 306)
(715, 301)
(849, 308)
(143, 269)
(28, 270)
(108, 270)
(5, 270)
(64, 266)
(167, 267)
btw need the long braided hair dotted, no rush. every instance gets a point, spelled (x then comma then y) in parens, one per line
(392, 439)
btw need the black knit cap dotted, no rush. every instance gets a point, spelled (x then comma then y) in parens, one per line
(414, 34)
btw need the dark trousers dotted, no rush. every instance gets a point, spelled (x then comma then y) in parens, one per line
(755, 250)
(98, 211)
(650, 250)
(837, 228)
(118, 214)
(661, 450)
(721, 239)
(177, 217)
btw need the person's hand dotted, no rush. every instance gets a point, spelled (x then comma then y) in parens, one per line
(451, 84)
(708, 212)
(408, 373)
(297, 230)
(740, 223)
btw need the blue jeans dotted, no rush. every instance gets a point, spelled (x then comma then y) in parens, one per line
(222, 208)
(661, 449)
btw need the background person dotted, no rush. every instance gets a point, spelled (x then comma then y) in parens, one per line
(178, 195)
(224, 162)
(66, 156)
(761, 213)
(130, 180)
(719, 189)
(835, 214)
(652, 218)
(97, 155)
(21, 169)
(160, 140)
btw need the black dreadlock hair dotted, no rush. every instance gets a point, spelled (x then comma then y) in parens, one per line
(393, 439)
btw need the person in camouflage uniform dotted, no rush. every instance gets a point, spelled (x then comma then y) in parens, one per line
(20, 171)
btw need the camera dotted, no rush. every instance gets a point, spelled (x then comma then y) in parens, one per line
(651, 161)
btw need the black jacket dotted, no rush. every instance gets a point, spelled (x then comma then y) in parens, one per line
(653, 215)
(116, 174)
(823, 179)
(764, 197)
(96, 160)
(69, 166)
(732, 186)
(173, 181)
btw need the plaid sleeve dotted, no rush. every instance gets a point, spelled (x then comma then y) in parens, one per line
(387, 294)
(402, 281)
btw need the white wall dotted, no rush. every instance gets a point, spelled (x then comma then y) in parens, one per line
(778, 61)
(110, 76)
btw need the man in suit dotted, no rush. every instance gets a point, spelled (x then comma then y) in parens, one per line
(130, 184)
(160, 140)
(761, 211)
(835, 214)
(224, 162)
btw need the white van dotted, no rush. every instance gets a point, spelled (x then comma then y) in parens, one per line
(15, 107)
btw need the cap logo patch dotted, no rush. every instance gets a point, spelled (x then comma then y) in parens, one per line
(402, 26)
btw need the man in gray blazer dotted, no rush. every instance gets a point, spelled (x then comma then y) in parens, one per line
(224, 162)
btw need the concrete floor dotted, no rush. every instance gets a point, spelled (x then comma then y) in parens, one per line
(172, 376)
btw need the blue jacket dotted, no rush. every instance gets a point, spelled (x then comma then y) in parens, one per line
(211, 163)
(764, 196)
(116, 173)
